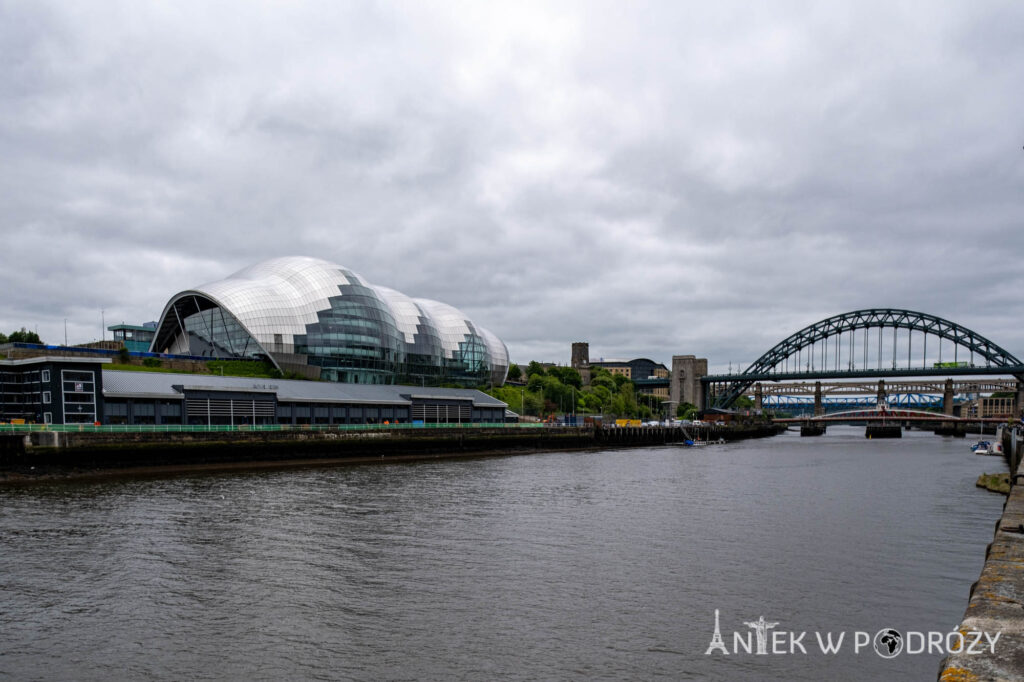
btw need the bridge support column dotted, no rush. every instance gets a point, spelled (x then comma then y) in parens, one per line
(819, 408)
(809, 428)
(955, 429)
(880, 398)
(883, 431)
(685, 385)
(758, 396)
(947, 397)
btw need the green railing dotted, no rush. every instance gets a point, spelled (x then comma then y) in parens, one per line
(182, 428)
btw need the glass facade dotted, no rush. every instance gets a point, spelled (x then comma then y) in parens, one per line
(324, 321)
(212, 333)
(354, 341)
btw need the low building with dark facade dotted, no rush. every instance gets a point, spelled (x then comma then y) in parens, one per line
(79, 391)
(52, 390)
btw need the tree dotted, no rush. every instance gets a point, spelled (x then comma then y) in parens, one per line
(535, 383)
(567, 375)
(3, 338)
(535, 369)
(590, 401)
(686, 411)
(514, 373)
(518, 400)
(743, 402)
(533, 404)
(602, 377)
(23, 336)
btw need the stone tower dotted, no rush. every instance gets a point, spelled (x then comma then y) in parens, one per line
(581, 360)
(685, 385)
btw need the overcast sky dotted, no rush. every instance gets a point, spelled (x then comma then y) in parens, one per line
(654, 178)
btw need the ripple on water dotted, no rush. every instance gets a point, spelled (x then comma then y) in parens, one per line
(598, 565)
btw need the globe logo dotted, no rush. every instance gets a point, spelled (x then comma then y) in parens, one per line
(888, 643)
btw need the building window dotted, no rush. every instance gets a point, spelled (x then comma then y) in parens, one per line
(46, 376)
(47, 418)
(46, 397)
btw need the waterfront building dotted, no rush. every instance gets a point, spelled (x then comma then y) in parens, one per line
(987, 407)
(66, 390)
(51, 390)
(323, 321)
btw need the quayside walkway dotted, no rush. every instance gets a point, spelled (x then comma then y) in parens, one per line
(997, 599)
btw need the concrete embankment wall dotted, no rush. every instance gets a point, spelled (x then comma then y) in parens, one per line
(997, 599)
(78, 453)
(54, 453)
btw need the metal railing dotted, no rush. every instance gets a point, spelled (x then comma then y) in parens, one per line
(244, 428)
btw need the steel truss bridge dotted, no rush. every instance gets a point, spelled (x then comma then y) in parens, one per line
(803, 396)
(803, 404)
(883, 416)
(858, 388)
(877, 343)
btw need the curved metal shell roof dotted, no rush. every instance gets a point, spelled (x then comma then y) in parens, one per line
(274, 302)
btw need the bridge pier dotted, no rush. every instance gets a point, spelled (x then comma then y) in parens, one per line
(883, 431)
(880, 396)
(809, 428)
(819, 408)
(947, 398)
(758, 396)
(955, 429)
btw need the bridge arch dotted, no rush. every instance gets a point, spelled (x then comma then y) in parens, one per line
(799, 348)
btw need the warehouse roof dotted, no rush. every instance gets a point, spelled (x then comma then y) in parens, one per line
(160, 385)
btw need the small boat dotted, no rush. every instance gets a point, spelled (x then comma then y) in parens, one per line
(703, 443)
(984, 447)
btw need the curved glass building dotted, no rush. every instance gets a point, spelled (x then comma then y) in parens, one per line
(326, 322)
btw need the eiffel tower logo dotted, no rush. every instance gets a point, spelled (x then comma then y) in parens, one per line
(716, 639)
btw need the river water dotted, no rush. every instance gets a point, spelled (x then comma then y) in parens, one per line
(578, 566)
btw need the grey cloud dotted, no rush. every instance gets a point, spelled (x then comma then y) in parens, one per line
(655, 178)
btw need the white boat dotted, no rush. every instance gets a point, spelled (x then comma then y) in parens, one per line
(984, 447)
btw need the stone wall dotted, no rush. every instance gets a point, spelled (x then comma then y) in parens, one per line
(997, 600)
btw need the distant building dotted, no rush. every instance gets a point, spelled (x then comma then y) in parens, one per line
(649, 377)
(982, 408)
(135, 338)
